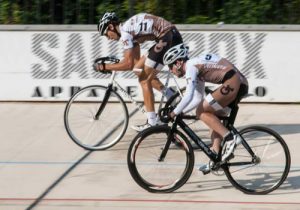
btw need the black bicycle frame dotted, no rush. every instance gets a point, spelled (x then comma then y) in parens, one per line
(198, 141)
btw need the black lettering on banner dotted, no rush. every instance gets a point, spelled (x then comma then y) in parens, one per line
(196, 42)
(55, 90)
(75, 60)
(42, 43)
(97, 52)
(92, 93)
(37, 92)
(74, 89)
(260, 91)
(229, 41)
(253, 61)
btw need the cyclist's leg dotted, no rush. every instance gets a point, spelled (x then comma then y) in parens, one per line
(136, 54)
(155, 58)
(138, 68)
(216, 141)
(216, 144)
(146, 74)
(216, 101)
(206, 114)
(152, 65)
(145, 80)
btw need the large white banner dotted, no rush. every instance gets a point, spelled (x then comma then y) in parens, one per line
(52, 65)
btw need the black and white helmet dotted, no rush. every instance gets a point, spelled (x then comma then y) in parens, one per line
(179, 51)
(107, 18)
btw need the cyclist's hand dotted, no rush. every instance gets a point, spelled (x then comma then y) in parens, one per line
(100, 67)
(172, 115)
(165, 114)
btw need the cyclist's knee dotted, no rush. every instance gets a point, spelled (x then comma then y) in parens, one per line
(203, 107)
(146, 77)
(145, 84)
(137, 72)
(203, 116)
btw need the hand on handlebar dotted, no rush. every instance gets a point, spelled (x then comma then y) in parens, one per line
(166, 114)
(100, 63)
(100, 67)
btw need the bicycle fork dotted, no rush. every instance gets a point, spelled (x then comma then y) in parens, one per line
(104, 102)
(168, 143)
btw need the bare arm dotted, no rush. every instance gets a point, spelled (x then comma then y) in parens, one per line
(127, 63)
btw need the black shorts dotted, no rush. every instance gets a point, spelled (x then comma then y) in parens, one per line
(243, 87)
(243, 91)
(157, 51)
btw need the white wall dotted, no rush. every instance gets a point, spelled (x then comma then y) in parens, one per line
(48, 62)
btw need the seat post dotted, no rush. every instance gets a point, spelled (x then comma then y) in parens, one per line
(233, 114)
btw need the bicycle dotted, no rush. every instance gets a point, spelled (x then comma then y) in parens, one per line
(88, 116)
(161, 159)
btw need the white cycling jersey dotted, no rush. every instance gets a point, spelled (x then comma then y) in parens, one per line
(204, 68)
(194, 93)
(143, 27)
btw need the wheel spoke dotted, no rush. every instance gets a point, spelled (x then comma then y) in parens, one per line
(160, 176)
(269, 167)
(80, 121)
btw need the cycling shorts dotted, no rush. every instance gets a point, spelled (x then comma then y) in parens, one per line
(157, 51)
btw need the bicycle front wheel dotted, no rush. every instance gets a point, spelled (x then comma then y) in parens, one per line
(156, 174)
(94, 132)
(261, 163)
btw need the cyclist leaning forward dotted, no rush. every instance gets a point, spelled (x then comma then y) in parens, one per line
(138, 29)
(217, 70)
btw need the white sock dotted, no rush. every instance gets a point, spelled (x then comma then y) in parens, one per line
(151, 118)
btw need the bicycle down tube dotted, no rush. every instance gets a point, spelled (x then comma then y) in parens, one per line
(195, 138)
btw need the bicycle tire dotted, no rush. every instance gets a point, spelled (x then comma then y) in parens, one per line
(271, 161)
(88, 132)
(157, 176)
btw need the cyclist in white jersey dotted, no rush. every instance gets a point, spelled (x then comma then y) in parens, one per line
(214, 69)
(138, 29)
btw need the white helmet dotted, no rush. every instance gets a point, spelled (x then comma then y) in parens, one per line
(179, 51)
(107, 18)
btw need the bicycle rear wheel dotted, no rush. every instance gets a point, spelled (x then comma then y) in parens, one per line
(266, 169)
(88, 131)
(153, 174)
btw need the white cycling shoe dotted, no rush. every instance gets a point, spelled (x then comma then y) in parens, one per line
(229, 147)
(205, 169)
(142, 127)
